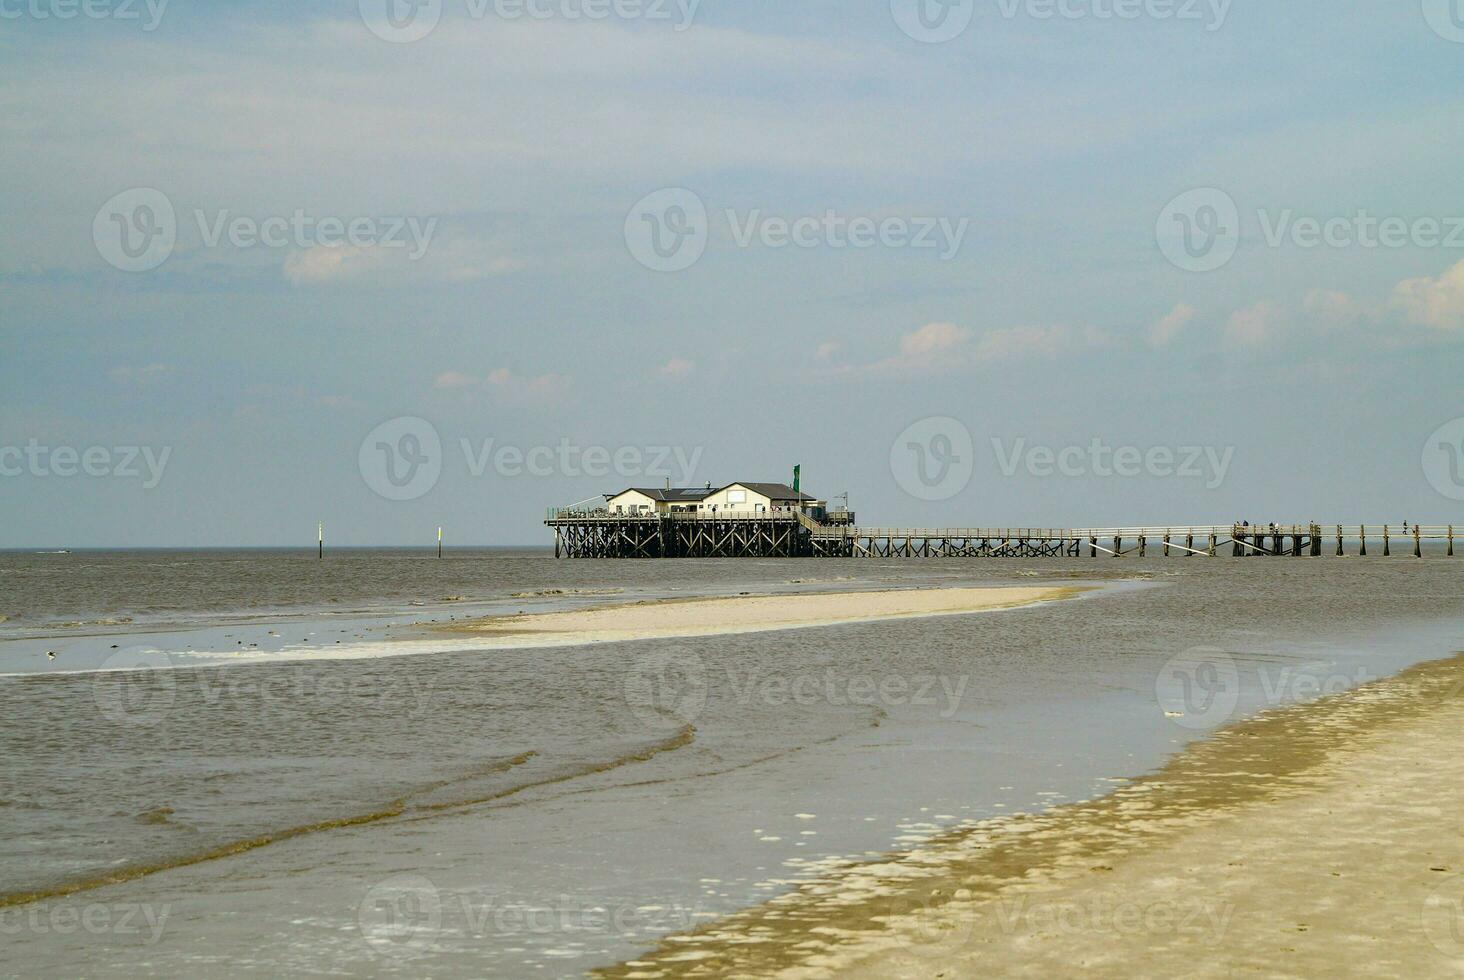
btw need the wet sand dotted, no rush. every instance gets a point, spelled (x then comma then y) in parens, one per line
(748, 614)
(1318, 839)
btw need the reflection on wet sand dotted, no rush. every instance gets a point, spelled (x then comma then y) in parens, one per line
(1298, 840)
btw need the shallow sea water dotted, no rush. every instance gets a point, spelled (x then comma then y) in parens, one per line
(539, 812)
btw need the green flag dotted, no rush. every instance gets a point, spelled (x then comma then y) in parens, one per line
(796, 470)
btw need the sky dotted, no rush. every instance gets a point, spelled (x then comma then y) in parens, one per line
(394, 265)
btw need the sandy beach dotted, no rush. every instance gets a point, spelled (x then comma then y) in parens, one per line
(747, 614)
(1315, 840)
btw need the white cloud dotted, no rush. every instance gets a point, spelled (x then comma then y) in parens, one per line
(581, 113)
(828, 349)
(1010, 343)
(325, 263)
(1436, 303)
(941, 347)
(1331, 307)
(455, 260)
(505, 384)
(338, 401)
(931, 340)
(543, 387)
(933, 347)
(677, 367)
(449, 380)
(1252, 327)
(125, 374)
(1162, 333)
(466, 260)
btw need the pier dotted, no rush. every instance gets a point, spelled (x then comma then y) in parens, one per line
(683, 535)
(795, 534)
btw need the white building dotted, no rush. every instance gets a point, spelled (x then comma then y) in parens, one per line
(734, 500)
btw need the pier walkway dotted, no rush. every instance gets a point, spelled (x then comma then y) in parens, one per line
(791, 534)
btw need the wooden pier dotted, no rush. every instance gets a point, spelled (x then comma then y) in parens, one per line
(680, 536)
(790, 534)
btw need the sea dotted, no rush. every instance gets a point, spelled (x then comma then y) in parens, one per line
(259, 762)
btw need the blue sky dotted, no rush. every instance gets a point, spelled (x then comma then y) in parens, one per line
(520, 150)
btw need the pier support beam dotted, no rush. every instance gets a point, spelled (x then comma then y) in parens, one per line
(599, 535)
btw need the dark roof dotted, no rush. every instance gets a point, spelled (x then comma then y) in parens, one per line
(773, 491)
(681, 495)
(675, 495)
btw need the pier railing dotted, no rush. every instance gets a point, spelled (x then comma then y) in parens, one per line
(1350, 531)
(779, 514)
(791, 533)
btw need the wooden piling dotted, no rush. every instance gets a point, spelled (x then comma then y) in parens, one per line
(597, 534)
(1451, 541)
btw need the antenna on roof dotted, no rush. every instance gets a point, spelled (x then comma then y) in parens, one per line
(668, 483)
